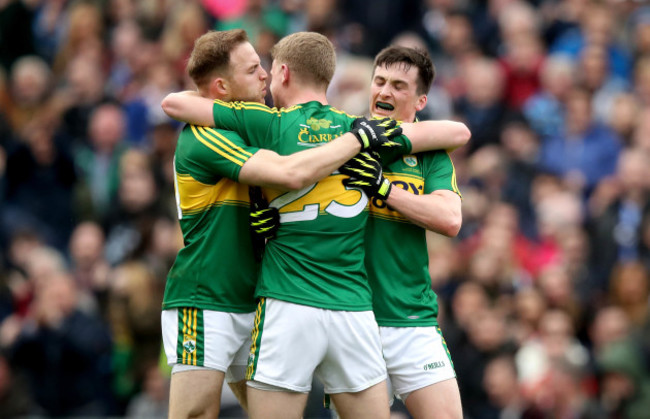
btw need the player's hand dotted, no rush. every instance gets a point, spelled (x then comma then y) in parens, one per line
(366, 173)
(264, 221)
(376, 133)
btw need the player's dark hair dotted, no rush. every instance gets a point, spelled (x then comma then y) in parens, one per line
(211, 54)
(408, 57)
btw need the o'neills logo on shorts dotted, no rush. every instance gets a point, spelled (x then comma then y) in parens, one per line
(434, 365)
(189, 345)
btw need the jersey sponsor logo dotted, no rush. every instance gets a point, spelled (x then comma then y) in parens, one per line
(189, 344)
(379, 208)
(304, 136)
(434, 365)
(317, 124)
(410, 161)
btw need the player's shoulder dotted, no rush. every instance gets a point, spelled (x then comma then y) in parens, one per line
(341, 113)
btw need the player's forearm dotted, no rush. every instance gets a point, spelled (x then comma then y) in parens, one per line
(190, 107)
(312, 165)
(438, 211)
(268, 169)
(436, 135)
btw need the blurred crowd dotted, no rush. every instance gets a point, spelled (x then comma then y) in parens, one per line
(544, 293)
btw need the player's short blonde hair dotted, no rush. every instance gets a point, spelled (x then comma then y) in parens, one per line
(211, 54)
(309, 55)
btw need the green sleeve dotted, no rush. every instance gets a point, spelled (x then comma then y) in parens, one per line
(255, 122)
(209, 154)
(439, 172)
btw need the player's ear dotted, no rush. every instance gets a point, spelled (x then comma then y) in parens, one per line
(286, 73)
(421, 102)
(219, 88)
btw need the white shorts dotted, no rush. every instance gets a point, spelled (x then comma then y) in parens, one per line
(197, 339)
(416, 357)
(293, 342)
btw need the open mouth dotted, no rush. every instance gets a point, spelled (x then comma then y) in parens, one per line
(385, 106)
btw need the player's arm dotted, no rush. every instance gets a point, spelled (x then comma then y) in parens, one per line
(189, 106)
(251, 120)
(295, 171)
(438, 211)
(268, 168)
(436, 135)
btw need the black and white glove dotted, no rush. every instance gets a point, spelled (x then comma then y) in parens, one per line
(264, 221)
(376, 133)
(366, 173)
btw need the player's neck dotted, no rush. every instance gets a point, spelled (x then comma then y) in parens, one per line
(304, 95)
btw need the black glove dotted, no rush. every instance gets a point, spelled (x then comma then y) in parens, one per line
(366, 173)
(263, 220)
(376, 133)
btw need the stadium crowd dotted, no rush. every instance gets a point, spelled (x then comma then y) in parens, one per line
(544, 293)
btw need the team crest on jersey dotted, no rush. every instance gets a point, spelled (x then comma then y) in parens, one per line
(317, 124)
(189, 345)
(410, 161)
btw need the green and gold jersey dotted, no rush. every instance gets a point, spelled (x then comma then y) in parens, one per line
(216, 269)
(398, 261)
(317, 257)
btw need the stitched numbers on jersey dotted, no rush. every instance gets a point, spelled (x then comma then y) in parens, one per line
(325, 196)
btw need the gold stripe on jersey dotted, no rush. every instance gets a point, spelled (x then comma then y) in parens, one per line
(256, 106)
(327, 190)
(340, 112)
(196, 197)
(454, 183)
(219, 144)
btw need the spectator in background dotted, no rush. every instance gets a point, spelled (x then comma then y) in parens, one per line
(630, 290)
(610, 324)
(185, 22)
(501, 384)
(586, 151)
(545, 109)
(555, 342)
(15, 398)
(84, 34)
(133, 313)
(40, 185)
(81, 93)
(30, 86)
(623, 115)
(130, 221)
(152, 402)
(619, 211)
(521, 148)
(98, 161)
(481, 104)
(63, 351)
(521, 53)
(597, 28)
(624, 382)
(88, 264)
(595, 76)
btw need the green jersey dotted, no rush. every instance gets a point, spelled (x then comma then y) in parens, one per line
(400, 281)
(216, 270)
(317, 257)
